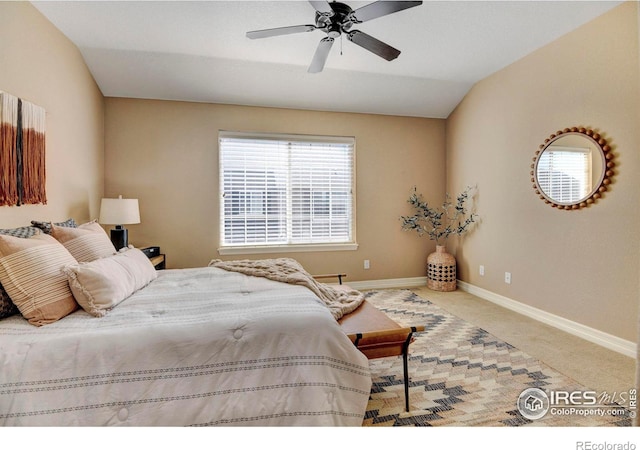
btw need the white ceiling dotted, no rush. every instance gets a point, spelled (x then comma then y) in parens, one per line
(198, 51)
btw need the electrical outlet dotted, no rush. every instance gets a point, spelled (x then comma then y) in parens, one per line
(367, 264)
(481, 271)
(507, 277)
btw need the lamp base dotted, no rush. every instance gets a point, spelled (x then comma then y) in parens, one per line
(119, 237)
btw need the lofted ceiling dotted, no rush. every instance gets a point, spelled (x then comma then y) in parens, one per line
(198, 51)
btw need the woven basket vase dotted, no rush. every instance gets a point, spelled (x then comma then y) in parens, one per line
(441, 270)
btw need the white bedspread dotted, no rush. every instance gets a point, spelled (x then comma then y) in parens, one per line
(195, 347)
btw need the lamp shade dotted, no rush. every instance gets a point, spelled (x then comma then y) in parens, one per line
(119, 211)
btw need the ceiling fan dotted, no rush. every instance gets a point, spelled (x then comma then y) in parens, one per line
(336, 18)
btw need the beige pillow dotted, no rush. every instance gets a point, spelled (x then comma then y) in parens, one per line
(86, 243)
(101, 284)
(30, 272)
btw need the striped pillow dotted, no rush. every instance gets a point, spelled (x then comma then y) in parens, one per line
(7, 308)
(86, 243)
(31, 273)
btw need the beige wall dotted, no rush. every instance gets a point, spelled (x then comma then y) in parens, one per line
(581, 265)
(38, 63)
(165, 154)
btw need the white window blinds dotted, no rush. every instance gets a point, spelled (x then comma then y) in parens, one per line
(564, 173)
(285, 190)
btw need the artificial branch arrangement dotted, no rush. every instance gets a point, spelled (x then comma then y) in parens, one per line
(439, 223)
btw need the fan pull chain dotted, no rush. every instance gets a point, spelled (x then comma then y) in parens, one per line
(341, 36)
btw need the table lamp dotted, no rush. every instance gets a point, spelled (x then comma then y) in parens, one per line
(119, 211)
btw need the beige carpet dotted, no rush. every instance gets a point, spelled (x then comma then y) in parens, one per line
(460, 375)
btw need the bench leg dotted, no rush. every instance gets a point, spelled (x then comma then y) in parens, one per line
(406, 380)
(405, 363)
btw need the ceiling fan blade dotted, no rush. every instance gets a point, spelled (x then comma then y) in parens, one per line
(258, 34)
(320, 57)
(373, 45)
(322, 6)
(381, 8)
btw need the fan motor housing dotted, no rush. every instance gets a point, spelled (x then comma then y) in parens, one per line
(341, 10)
(336, 23)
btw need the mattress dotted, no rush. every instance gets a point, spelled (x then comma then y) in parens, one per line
(197, 346)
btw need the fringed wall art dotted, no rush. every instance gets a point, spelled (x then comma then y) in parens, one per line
(22, 152)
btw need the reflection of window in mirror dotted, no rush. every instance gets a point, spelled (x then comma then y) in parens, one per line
(573, 168)
(564, 173)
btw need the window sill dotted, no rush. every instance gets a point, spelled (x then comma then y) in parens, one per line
(249, 250)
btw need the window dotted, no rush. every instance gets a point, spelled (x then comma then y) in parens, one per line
(286, 193)
(564, 173)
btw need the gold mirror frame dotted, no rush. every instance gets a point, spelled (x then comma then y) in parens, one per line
(604, 180)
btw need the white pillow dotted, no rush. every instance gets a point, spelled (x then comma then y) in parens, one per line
(101, 284)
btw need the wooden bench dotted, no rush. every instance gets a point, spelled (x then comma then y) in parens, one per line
(376, 335)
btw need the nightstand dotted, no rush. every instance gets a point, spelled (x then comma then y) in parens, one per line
(157, 259)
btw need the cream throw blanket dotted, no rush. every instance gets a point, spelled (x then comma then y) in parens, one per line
(287, 270)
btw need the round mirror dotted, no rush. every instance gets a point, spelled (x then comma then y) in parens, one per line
(572, 168)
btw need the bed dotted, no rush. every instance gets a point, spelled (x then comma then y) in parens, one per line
(201, 346)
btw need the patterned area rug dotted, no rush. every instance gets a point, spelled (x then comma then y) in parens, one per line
(460, 375)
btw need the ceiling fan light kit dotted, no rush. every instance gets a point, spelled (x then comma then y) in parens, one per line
(336, 19)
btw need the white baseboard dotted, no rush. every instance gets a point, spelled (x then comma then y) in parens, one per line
(606, 340)
(392, 283)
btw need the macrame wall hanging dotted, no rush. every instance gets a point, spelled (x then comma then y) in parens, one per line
(22, 152)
